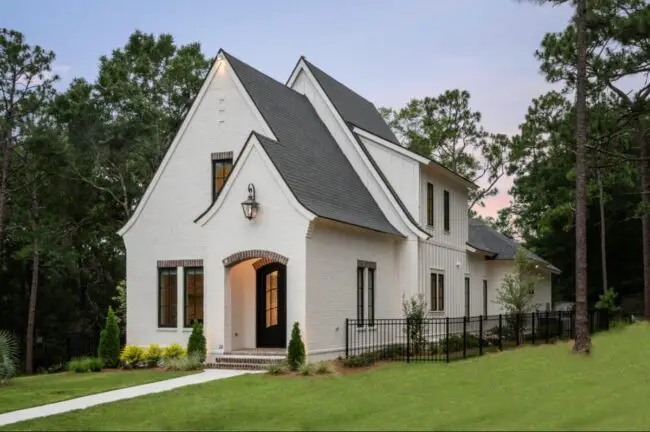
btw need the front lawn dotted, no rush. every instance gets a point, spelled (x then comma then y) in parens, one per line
(29, 391)
(535, 388)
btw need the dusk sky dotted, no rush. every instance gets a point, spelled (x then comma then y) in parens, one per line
(388, 51)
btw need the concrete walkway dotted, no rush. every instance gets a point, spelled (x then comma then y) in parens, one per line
(115, 395)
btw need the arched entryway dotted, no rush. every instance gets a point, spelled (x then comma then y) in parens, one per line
(256, 304)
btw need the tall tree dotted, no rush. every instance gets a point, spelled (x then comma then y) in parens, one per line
(129, 116)
(583, 338)
(25, 81)
(617, 61)
(446, 129)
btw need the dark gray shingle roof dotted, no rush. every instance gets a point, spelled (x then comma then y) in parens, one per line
(353, 107)
(306, 155)
(486, 238)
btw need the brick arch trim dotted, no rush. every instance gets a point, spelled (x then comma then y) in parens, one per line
(254, 253)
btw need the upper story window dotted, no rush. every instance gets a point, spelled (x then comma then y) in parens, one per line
(221, 167)
(446, 205)
(430, 204)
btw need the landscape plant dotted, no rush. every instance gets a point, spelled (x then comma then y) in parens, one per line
(85, 364)
(8, 356)
(415, 311)
(109, 341)
(196, 343)
(173, 351)
(153, 355)
(296, 352)
(132, 356)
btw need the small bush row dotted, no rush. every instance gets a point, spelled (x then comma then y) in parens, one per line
(305, 368)
(85, 364)
(133, 356)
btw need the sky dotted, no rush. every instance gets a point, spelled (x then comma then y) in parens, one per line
(389, 51)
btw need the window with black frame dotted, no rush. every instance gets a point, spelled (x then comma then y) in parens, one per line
(193, 295)
(167, 297)
(437, 292)
(360, 296)
(220, 171)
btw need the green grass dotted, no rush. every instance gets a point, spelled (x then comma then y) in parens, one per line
(536, 388)
(29, 391)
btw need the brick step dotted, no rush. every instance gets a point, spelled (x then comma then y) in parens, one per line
(237, 359)
(236, 366)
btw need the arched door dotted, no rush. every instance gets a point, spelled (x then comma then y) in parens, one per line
(271, 306)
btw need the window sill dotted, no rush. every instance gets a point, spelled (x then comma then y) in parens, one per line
(167, 329)
(367, 328)
(187, 329)
(437, 314)
(447, 232)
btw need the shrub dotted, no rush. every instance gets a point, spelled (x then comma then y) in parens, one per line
(109, 341)
(152, 355)
(8, 356)
(85, 364)
(276, 368)
(392, 351)
(360, 360)
(296, 355)
(197, 343)
(306, 369)
(132, 356)
(183, 363)
(173, 351)
(324, 368)
(415, 311)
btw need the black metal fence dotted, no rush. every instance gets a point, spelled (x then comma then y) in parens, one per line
(447, 339)
(84, 344)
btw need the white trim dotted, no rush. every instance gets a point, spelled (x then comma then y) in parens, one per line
(390, 145)
(218, 63)
(346, 130)
(253, 142)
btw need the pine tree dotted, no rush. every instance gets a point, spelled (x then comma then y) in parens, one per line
(296, 348)
(196, 344)
(109, 341)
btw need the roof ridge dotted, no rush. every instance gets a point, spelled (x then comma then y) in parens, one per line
(230, 56)
(325, 73)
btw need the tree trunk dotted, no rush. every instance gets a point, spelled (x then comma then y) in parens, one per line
(31, 317)
(4, 188)
(603, 238)
(583, 339)
(645, 218)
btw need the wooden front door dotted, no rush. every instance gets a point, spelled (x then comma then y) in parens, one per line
(271, 306)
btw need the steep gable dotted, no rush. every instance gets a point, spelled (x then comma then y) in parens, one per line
(306, 155)
(354, 108)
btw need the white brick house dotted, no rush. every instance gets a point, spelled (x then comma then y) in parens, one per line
(348, 221)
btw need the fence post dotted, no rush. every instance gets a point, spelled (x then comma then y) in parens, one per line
(500, 334)
(559, 325)
(480, 336)
(548, 336)
(533, 316)
(464, 337)
(347, 344)
(408, 340)
(447, 339)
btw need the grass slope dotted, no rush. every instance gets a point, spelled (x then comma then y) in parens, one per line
(30, 391)
(537, 388)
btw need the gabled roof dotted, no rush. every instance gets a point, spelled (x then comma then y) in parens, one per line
(354, 108)
(306, 155)
(487, 239)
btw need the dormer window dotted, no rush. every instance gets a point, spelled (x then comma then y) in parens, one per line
(221, 167)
